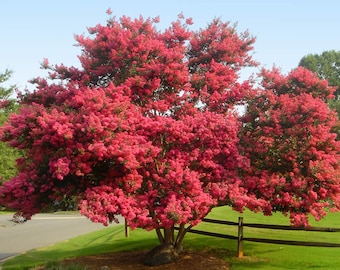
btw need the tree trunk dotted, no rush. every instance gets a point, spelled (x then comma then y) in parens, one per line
(170, 247)
(162, 254)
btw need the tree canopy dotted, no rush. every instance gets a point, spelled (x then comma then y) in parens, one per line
(147, 129)
(288, 136)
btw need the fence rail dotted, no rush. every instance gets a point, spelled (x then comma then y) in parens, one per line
(240, 235)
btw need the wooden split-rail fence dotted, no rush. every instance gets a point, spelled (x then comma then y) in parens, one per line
(241, 238)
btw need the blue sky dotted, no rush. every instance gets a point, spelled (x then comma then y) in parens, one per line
(286, 30)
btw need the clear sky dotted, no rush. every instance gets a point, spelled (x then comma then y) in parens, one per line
(286, 30)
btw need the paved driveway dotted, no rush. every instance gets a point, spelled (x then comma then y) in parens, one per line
(41, 231)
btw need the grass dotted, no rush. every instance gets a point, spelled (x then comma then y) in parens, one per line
(6, 212)
(257, 255)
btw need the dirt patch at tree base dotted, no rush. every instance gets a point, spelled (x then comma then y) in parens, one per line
(198, 260)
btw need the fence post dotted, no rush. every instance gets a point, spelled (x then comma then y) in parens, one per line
(126, 228)
(240, 238)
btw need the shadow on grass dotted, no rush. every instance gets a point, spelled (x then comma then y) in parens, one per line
(108, 240)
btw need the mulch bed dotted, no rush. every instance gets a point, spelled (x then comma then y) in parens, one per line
(198, 260)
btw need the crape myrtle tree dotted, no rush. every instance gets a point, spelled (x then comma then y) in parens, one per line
(147, 129)
(288, 134)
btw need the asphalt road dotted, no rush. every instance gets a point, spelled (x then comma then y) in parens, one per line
(41, 231)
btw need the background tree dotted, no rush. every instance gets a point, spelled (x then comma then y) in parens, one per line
(7, 101)
(147, 129)
(7, 105)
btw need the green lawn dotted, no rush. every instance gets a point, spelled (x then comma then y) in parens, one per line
(5, 212)
(257, 255)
